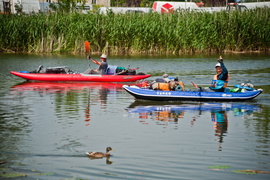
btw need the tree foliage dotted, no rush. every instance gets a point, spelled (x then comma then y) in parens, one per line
(66, 6)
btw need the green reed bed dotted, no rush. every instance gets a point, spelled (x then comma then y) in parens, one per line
(183, 32)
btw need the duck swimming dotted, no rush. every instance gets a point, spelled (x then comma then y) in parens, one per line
(100, 154)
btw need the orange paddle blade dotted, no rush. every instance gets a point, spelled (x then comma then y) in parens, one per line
(194, 84)
(87, 46)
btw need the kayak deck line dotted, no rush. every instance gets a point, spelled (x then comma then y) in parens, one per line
(96, 75)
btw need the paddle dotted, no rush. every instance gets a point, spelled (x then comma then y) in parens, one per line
(194, 84)
(87, 47)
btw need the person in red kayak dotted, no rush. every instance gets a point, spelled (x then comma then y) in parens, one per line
(103, 65)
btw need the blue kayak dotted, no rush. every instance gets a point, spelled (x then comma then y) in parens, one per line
(157, 95)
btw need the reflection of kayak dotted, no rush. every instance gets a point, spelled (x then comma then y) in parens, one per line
(137, 108)
(80, 77)
(65, 87)
(158, 95)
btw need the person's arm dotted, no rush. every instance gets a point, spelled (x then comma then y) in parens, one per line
(94, 61)
(224, 69)
(224, 74)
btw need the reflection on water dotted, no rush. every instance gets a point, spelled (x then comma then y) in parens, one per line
(56, 87)
(68, 97)
(173, 113)
(107, 159)
(220, 119)
(177, 111)
(87, 111)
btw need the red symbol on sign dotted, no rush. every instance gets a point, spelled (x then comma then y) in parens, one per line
(167, 8)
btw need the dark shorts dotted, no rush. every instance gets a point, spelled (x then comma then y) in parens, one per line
(91, 71)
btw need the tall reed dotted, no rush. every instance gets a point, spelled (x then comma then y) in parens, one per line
(183, 32)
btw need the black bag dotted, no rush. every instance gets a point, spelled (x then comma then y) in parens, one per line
(131, 72)
(51, 70)
(55, 70)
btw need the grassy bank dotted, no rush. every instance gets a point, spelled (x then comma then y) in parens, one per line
(182, 32)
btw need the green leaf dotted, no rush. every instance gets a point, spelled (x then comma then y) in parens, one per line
(218, 167)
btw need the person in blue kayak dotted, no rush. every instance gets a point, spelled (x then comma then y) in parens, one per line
(103, 65)
(220, 80)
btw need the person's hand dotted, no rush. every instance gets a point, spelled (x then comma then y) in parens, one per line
(220, 60)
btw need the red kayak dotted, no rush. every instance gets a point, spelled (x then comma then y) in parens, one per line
(79, 77)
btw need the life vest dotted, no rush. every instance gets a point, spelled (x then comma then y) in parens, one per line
(172, 86)
(163, 86)
(180, 87)
(218, 84)
(143, 84)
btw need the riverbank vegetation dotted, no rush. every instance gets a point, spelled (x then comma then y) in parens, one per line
(183, 32)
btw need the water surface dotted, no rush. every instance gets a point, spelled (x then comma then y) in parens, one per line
(46, 128)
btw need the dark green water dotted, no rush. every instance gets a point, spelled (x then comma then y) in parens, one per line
(46, 128)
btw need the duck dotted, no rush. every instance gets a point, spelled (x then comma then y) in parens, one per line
(100, 154)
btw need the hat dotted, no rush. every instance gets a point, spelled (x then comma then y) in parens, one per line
(103, 56)
(165, 75)
(218, 64)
